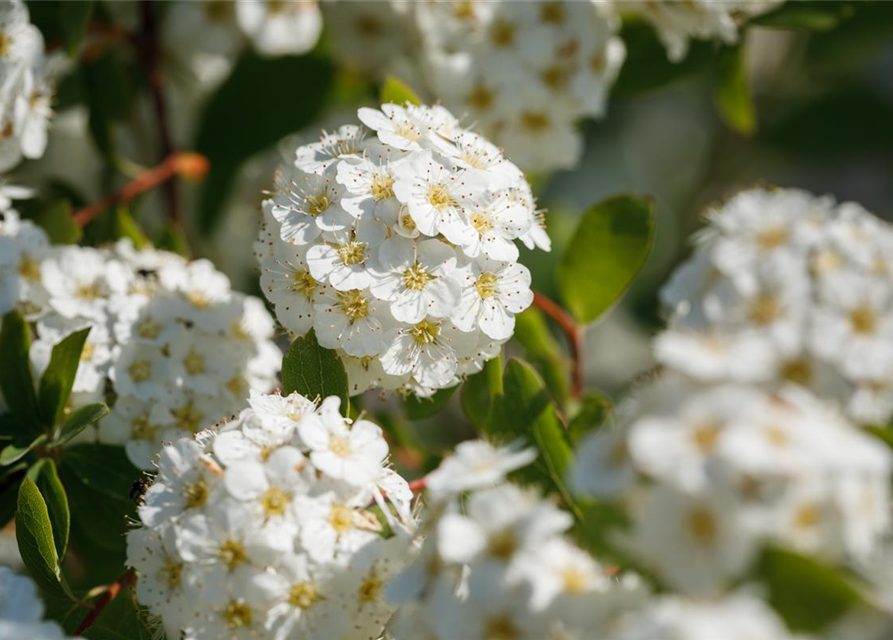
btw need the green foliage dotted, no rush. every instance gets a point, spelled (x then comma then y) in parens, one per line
(395, 91)
(57, 380)
(104, 468)
(56, 220)
(262, 100)
(13, 453)
(126, 227)
(731, 90)
(805, 15)
(9, 491)
(807, 594)
(34, 534)
(73, 20)
(109, 88)
(50, 486)
(120, 620)
(541, 349)
(609, 248)
(15, 374)
(314, 371)
(593, 412)
(478, 391)
(422, 408)
(80, 419)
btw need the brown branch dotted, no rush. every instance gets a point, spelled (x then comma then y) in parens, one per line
(107, 596)
(188, 165)
(574, 334)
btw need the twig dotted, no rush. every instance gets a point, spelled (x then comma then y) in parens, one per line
(417, 485)
(108, 595)
(189, 165)
(574, 334)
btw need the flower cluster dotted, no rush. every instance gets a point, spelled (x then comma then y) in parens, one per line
(25, 93)
(678, 22)
(176, 346)
(21, 611)
(399, 249)
(712, 473)
(525, 72)
(273, 525)
(784, 286)
(497, 563)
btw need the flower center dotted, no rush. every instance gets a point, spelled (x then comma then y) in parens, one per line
(4, 44)
(797, 371)
(218, 11)
(705, 437)
(237, 615)
(352, 252)
(317, 204)
(88, 291)
(148, 329)
(408, 130)
(188, 417)
(481, 222)
(140, 370)
(481, 98)
(303, 595)
(555, 77)
(341, 518)
(407, 222)
(486, 285)
(502, 33)
(702, 526)
(198, 300)
(439, 196)
(776, 436)
(353, 304)
(371, 587)
(502, 545)
(171, 573)
(772, 238)
(196, 494)
(194, 363)
(382, 186)
(142, 429)
(764, 309)
(275, 501)
(87, 352)
(863, 320)
(425, 332)
(574, 580)
(232, 553)
(807, 516)
(501, 628)
(416, 277)
(303, 282)
(534, 122)
(339, 446)
(29, 268)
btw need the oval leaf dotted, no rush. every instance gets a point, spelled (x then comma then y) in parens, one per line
(314, 371)
(57, 380)
(610, 246)
(731, 92)
(15, 374)
(102, 467)
(79, 420)
(57, 504)
(34, 535)
(396, 92)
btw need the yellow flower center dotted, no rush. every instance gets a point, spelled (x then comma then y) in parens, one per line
(416, 277)
(317, 204)
(502, 33)
(502, 545)
(195, 494)
(142, 429)
(807, 516)
(88, 291)
(439, 196)
(303, 595)
(409, 131)
(797, 371)
(29, 268)
(702, 526)
(501, 628)
(148, 329)
(705, 437)
(764, 309)
(171, 573)
(140, 370)
(237, 615)
(275, 501)
(555, 77)
(552, 12)
(352, 252)
(194, 363)
(863, 320)
(218, 11)
(353, 304)
(370, 588)
(341, 518)
(4, 44)
(481, 98)
(425, 332)
(534, 122)
(407, 222)
(481, 222)
(772, 238)
(232, 553)
(87, 352)
(303, 282)
(382, 186)
(339, 446)
(188, 417)
(198, 300)
(486, 285)
(574, 580)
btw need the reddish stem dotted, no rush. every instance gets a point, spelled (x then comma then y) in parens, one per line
(417, 485)
(188, 165)
(107, 596)
(574, 334)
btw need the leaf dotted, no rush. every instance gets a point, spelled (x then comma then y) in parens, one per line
(731, 91)
(57, 504)
(236, 124)
(57, 221)
(9, 491)
(109, 87)
(314, 371)
(542, 350)
(120, 620)
(80, 419)
(422, 408)
(98, 522)
(396, 92)
(807, 594)
(73, 20)
(478, 392)
(13, 453)
(803, 15)
(57, 380)
(15, 374)
(593, 412)
(34, 534)
(104, 468)
(126, 227)
(610, 246)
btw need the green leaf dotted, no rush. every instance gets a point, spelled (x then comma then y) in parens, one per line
(120, 620)
(422, 408)
(15, 374)
(803, 15)
(397, 92)
(13, 453)
(57, 221)
(34, 534)
(593, 412)
(173, 239)
(79, 420)
(731, 91)
(542, 351)
(9, 491)
(314, 372)
(126, 227)
(57, 504)
(57, 380)
(73, 20)
(236, 124)
(102, 467)
(109, 84)
(610, 246)
(478, 392)
(98, 522)
(807, 594)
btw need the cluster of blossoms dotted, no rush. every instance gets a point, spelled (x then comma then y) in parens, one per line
(525, 72)
(21, 611)
(399, 249)
(266, 527)
(711, 474)
(169, 340)
(677, 22)
(784, 286)
(25, 94)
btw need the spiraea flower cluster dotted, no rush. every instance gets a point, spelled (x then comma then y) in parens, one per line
(496, 561)
(170, 343)
(525, 72)
(22, 612)
(399, 248)
(284, 522)
(25, 93)
(784, 286)
(678, 22)
(712, 474)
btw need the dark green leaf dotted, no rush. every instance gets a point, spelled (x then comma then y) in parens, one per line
(397, 92)
(79, 420)
(542, 350)
(9, 491)
(98, 523)
(236, 124)
(13, 453)
(120, 620)
(102, 467)
(479, 390)
(34, 534)
(73, 20)
(57, 380)
(592, 414)
(807, 594)
(804, 15)
(610, 246)
(57, 504)
(109, 88)
(15, 374)
(57, 221)
(313, 371)
(422, 408)
(731, 91)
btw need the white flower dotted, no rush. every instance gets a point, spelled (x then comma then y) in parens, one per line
(428, 350)
(492, 293)
(21, 611)
(280, 28)
(476, 464)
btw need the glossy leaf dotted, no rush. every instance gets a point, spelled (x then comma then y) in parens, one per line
(314, 371)
(80, 419)
(34, 534)
(57, 504)
(104, 468)
(397, 92)
(12, 453)
(15, 374)
(731, 92)
(57, 380)
(73, 20)
(610, 246)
